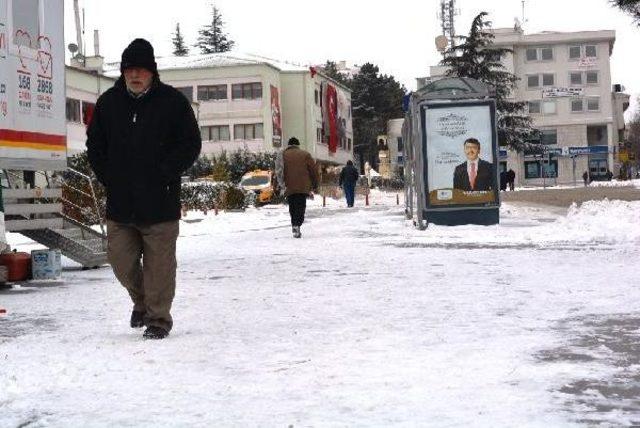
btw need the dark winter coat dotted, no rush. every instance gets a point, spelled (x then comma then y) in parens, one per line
(139, 147)
(484, 177)
(349, 176)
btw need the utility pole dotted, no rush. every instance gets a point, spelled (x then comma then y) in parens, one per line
(76, 10)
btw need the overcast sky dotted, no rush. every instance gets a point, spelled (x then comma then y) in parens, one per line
(398, 36)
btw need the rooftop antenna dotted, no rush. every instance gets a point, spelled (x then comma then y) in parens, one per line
(76, 10)
(447, 16)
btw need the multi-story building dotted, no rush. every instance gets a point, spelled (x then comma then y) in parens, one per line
(83, 87)
(565, 78)
(255, 103)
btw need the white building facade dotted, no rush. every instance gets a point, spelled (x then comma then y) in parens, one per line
(565, 79)
(257, 104)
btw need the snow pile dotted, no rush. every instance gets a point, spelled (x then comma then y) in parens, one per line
(616, 183)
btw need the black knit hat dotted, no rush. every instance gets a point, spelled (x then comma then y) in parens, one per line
(139, 53)
(293, 141)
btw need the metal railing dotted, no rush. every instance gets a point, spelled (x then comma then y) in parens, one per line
(95, 206)
(15, 179)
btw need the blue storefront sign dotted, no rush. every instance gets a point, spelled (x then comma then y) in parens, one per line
(588, 150)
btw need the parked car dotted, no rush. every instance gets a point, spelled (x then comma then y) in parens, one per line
(262, 182)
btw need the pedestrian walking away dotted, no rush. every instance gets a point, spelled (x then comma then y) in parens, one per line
(511, 179)
(348, 179)
(297, 176)
(585, 178)
(141, 138)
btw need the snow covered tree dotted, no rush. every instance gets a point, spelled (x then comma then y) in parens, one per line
(632, 7)
(179, 48)
(212, 38)
(476, 58)
(331, 70)
(375, 99)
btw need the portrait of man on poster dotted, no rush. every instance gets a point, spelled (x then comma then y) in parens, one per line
(475, 174)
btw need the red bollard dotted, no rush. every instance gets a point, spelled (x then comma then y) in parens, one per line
(366, 199)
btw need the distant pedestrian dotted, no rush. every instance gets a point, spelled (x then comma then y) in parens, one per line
(503, 180)
(585, 178)
(297, 176)
(348, 179)
(141, 138)
(511, 179)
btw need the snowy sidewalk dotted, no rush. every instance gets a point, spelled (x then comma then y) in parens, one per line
(365, 321)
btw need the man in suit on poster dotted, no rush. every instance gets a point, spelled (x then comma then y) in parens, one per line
(475, 174)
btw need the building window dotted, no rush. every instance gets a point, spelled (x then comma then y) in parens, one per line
(593, 104)
(575, 78)
(539, 54)
(548, 80)
(548, 107)
(592, 77)
(212, 92)
(574, 52)
(247, 91)
(400, 144)
(316, 96)
(26, 23)
(549, 136)
(187, 91)
(318, 135)
(349, 144)
(87, 112)
(590, 51)
(73, 110)
(538, 169)
(576, 105)
(533, 81)
(400, 159)
(249, 131)
(534, 107)
(215, 133)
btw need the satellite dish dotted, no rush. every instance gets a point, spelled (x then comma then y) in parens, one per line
(73, 48)
(441, 43)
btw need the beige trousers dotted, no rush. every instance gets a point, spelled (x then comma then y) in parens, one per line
(151, 282)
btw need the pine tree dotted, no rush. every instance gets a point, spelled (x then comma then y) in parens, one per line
(476, 58)
(632, 7)
(375, 99)
(179, 48)
(331, 70)
(212, 38)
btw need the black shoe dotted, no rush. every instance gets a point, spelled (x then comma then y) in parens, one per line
(296, 232)
(153, 332)
(137, 319)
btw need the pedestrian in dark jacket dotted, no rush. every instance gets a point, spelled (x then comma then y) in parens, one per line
(511, 179)
(297, 176)
(141, 138)
(348, 179)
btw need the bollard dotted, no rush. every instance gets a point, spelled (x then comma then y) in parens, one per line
(324, 201)
(366, 199)
(215, 209)
(204, 211)
(397, 199)
(184, 211)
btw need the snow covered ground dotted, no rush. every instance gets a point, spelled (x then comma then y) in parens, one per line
(365, 321)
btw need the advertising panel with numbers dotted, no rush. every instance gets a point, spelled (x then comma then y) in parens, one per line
(32, 87)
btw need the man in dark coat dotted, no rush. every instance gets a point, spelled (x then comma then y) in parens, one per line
(348, 179)
(141, 138)
(511, 179)
(297, 176)
(475, 174)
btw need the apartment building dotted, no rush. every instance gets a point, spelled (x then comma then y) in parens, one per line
(565, 79)
(255, 103)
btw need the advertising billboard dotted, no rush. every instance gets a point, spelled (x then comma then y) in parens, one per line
(276, 118)
(32, 88)
(460, 152)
